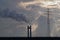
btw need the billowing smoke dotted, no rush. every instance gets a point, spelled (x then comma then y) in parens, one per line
(13, 14)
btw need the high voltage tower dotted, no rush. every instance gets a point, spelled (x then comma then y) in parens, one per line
(48, 22)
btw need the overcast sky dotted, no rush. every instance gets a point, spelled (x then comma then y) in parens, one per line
(16, 15)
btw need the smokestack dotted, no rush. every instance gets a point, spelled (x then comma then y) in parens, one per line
(29, 32)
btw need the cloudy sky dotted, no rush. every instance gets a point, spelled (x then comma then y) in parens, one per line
(16, 15)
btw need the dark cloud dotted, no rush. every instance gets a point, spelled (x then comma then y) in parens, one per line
(18, 17)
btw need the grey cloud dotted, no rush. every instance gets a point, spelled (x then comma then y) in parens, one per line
(10, 3)
(23, 15)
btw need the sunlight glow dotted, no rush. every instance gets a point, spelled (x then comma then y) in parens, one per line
(34, 26)
(50, 4)
(42, 3)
